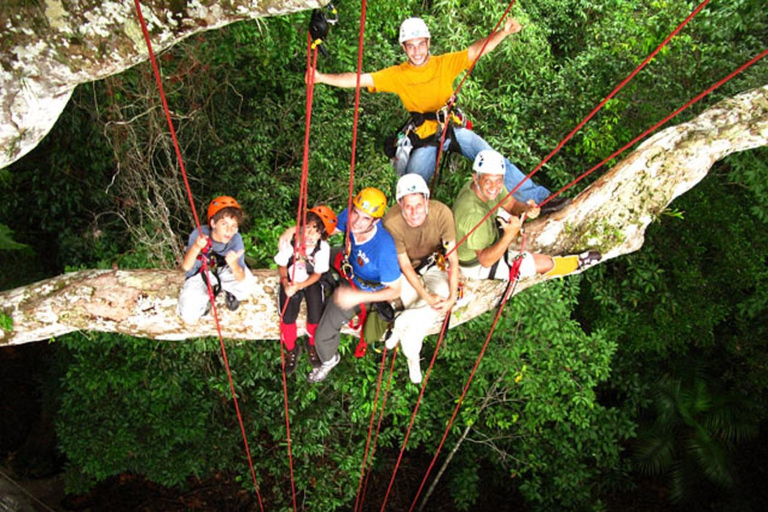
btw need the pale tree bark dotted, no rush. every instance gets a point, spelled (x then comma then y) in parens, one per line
(48, 48)
(610, 216)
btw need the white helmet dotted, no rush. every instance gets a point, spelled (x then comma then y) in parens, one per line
(411, 184)
(489, 161)
(413, 28)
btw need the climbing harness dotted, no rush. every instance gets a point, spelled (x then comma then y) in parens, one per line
(383, 309)
(214, 263)
(399, 146)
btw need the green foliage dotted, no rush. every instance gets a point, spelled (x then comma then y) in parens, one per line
(6, 240)
(6, 323)
(557, 396)
(695, 429)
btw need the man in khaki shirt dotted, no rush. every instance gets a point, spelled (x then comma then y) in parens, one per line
(423, 231)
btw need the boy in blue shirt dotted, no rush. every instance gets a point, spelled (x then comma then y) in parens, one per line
(223, 247)
(375, 274)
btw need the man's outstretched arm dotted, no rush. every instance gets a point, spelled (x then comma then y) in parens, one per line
(344, 80)
(511, 26)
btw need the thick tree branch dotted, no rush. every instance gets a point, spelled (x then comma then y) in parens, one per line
(611, 216)
(48, 48)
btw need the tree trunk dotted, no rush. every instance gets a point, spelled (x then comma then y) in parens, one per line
(48, 48)
(610, 216)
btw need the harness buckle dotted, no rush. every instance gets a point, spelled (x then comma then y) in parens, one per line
(346, 270)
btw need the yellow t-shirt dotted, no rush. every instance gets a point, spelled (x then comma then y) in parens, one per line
(423, 89)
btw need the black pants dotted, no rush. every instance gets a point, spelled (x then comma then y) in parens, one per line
(315, 303)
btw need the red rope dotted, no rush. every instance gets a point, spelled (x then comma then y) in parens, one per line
(416, 410)
(455, 94)
(378, 427)
(461, 399)
(514, 276)
(156, 71)
(482, 49)
(370, 426)
(653, 128)
(299, 247)
(360, 42)
(586, 119)
(694, 100)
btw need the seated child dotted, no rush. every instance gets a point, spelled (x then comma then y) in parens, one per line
(223, 247)
(300, 273)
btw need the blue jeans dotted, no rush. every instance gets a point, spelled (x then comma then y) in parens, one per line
(422, 162)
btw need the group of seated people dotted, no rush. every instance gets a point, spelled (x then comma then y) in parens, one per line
(414, 252)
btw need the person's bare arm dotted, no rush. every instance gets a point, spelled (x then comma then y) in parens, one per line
(511, 26)
(344, 80)
(348, 298)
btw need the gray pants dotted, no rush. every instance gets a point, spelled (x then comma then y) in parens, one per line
(193, 299)
(328, 333)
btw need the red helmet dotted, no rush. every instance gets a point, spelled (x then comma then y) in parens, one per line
(327, 216)
(220, 203)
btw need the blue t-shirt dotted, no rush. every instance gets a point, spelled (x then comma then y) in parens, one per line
(374, 260)
(235, 244)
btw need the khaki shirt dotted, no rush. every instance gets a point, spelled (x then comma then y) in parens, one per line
(419, 243)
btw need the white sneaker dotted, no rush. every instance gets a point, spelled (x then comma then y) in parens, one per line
(391, 342)
(414, 371)
(319, 374)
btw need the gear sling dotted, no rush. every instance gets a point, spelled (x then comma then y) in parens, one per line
(398, 147)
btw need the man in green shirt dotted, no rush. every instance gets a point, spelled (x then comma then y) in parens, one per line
(484, 254)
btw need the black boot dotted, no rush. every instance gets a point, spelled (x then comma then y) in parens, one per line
(589, 258)
(292, 359)
(555, 205)
(314, 359)
(232, 302)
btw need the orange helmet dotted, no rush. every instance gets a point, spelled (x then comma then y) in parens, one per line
(220, 203)
(327, 216)
(372, 201)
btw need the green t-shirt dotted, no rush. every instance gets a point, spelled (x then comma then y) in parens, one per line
(468, 211)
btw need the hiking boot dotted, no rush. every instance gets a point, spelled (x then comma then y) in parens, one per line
(231, 301)
(555, 205)
(589, 258)
(319, 374)
(414, 370)
(314, 359)
(291, 359)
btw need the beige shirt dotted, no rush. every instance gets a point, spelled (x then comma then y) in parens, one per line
(419, 243)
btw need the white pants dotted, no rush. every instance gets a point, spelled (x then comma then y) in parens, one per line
(501, 271)
(194, 299)
(412, 325)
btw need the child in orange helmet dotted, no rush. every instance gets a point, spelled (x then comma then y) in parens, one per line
(221, 246)
(301, 262)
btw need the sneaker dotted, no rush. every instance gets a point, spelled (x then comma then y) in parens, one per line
(414, 370)
(319, 374)
(555, 205)
(291, 359)
(314, 359)
(392, 339)
(589, 258)
(232, 302)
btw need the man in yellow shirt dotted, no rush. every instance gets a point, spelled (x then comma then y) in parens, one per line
(424, 84)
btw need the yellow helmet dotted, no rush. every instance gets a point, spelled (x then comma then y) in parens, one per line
(372, 201)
